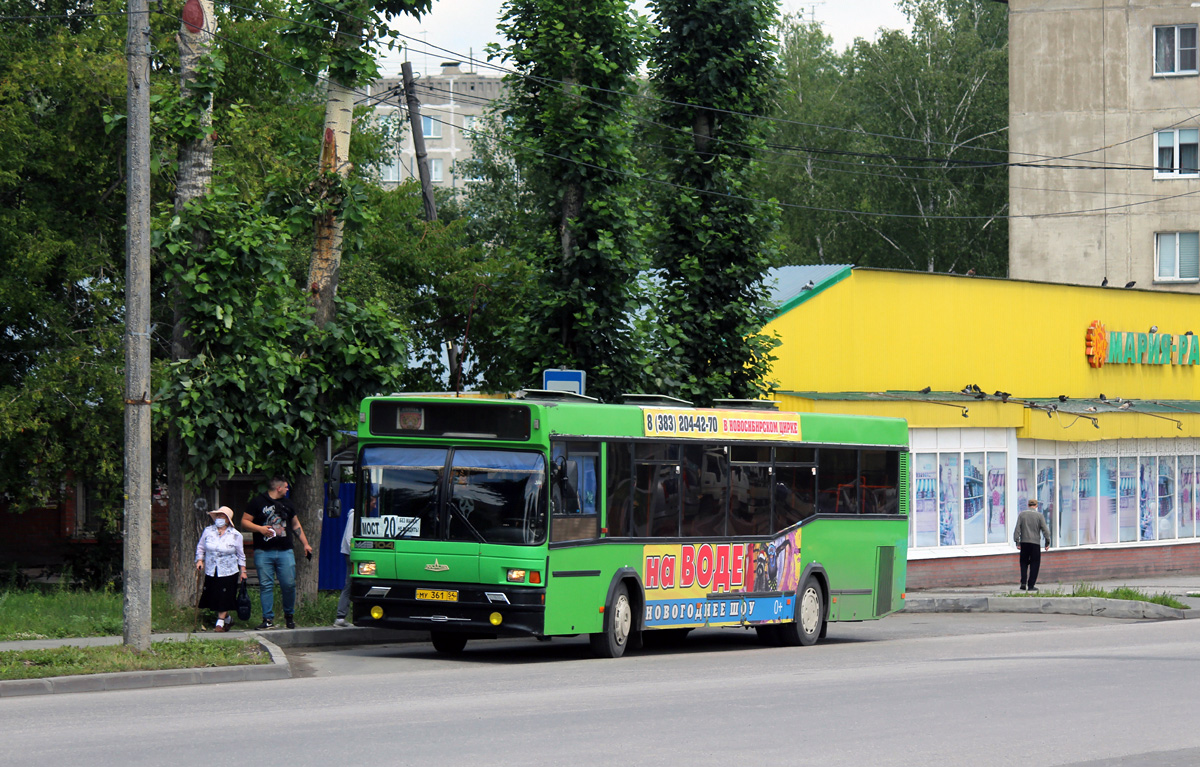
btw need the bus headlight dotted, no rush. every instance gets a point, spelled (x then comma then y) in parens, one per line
(516, 576)
(365, 568)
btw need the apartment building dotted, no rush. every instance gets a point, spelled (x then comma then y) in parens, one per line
(1104, 120)
(451, 101)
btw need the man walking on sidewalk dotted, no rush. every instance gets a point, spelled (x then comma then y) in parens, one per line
(1031, 528)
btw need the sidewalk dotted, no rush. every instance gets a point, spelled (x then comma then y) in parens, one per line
(998, 598)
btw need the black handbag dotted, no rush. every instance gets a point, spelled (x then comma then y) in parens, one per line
(243, 603)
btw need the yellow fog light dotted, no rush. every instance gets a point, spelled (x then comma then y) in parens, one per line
(376, 612)
(366, 568)
(516, 576)
(495, 618)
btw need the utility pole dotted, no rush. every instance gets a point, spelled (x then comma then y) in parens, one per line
(418, 137)
(137, 331)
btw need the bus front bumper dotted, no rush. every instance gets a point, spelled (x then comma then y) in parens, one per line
(472, 610)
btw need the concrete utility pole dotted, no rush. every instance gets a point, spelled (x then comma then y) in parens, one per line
(137, 331)
(418, 136)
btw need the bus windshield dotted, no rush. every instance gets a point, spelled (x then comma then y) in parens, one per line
(454, 494)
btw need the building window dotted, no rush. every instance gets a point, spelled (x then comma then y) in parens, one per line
(1177, 257)
(1175, 50)
(958, 498)
(1177, 153)
(431, 128)
(469, 124)
(435, 171)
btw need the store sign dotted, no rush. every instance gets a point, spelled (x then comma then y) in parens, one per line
(1113, 347)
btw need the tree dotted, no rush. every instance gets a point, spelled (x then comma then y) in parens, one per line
(712, 66)
(197, 68)
(61, 262)
(337, 39)
(925, 119)
(569, 129)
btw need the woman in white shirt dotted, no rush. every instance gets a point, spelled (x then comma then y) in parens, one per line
(220, 555)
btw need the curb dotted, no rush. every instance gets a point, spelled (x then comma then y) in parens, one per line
(1103, 608)
(278, 668)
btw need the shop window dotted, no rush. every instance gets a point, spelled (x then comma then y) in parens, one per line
(949, 498)
(1106, 503)
(1147, 499)
(1046, 492)
(997, 496)
(1068, 503)
(1187, 496)
(974, 518)
(1177, 257)
(1175, 50)
(1087, 501)
(924, 525)
(1127, 498)
(1166, 497)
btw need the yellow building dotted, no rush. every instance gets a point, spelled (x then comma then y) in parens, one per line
(1087, 399)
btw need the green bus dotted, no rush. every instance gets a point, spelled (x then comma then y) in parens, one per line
(555, 515)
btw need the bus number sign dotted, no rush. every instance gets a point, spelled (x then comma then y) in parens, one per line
(390, 527)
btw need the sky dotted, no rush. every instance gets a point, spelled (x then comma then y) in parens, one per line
(467, 26)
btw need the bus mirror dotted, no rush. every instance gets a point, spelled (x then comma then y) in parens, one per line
(333, 500)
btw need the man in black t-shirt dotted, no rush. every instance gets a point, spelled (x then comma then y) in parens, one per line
(272, 520)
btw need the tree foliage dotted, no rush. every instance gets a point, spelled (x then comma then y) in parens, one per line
(712, 66)
(913, 125)
(61, 254)
(569, 130)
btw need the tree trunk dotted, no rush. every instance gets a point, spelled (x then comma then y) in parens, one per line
(184, 522)
(309, 491)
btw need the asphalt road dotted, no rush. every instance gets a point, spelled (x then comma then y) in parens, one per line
(922, 689)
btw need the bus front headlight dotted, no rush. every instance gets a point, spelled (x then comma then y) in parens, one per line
(365, 568)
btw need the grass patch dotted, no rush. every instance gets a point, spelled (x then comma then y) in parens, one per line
(1121, 592)
(71, 661)
(60, 612)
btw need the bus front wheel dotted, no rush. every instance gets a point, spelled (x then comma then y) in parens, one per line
(448, 644)
(618, 623)
(810, 616)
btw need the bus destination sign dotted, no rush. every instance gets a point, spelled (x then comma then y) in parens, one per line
(721, 424)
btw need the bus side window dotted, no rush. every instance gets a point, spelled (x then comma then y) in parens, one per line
(618, 489)
(573, 492)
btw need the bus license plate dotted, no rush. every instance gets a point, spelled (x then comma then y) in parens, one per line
(437, 596)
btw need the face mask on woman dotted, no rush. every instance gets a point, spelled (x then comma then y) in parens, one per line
(219, 522)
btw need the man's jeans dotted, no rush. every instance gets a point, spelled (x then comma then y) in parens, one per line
(275, 566)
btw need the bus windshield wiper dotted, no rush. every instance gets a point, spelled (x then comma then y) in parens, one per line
(463, 517)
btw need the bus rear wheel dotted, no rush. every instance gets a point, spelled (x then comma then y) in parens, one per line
(810, 616)
(618, 624)
(448, 644)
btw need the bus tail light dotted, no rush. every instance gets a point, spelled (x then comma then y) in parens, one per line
(516, 576)
(535, 577)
